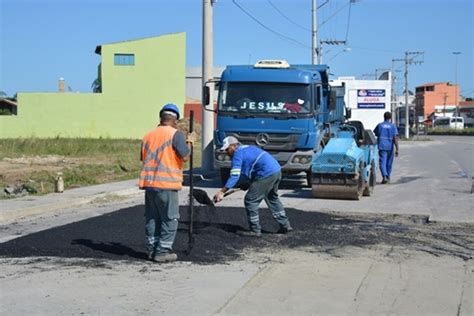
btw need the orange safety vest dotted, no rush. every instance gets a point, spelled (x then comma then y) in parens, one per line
(162, 167)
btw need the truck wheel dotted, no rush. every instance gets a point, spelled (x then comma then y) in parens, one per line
(369, 189)
(225, 174)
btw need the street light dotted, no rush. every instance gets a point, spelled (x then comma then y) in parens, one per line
(347, 49)
(456, 87)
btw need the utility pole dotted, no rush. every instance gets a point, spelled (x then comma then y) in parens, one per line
(207, 160)
(445, 97)
(456, 100)
(314, 34)
(393, 103)
(409, 59)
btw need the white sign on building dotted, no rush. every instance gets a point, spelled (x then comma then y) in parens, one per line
(367, 99)
(371, 99)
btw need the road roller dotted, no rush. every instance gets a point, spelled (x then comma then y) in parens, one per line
(346, 167)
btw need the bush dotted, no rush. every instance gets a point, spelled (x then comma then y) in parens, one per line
(447, 131)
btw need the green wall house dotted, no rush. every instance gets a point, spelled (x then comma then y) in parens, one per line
(135, 78)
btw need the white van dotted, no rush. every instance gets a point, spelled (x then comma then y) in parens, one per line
(455, 122)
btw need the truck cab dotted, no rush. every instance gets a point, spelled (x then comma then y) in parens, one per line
(275, 106)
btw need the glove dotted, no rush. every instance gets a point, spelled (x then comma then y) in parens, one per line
(218, 197)
(191, 137)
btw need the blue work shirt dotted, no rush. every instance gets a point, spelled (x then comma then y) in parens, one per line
(251, 162)
(385, 132)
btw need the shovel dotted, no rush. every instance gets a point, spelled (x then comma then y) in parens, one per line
(202, 197)
(191, 189)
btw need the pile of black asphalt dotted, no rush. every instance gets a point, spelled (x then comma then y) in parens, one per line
(120, 235)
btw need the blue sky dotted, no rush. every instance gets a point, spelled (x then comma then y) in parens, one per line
(42, 40)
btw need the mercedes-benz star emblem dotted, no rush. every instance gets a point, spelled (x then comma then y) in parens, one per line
(262, 139)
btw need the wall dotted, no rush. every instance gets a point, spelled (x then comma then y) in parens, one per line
(128, 105)
(443, 94)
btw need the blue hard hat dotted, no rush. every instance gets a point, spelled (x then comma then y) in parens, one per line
(170, 107)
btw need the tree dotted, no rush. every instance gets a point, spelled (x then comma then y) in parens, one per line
(96, 86)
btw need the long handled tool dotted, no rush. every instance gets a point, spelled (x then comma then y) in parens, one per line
(202, 197)
(191, 188)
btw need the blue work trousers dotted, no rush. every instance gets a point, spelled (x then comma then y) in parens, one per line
(264, 189)
(161, 220)
(385, 162)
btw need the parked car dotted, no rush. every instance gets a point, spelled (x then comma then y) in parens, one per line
(454, 122)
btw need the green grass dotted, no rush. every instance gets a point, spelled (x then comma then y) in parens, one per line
(69, 147)
(445, 131)
(101, 161)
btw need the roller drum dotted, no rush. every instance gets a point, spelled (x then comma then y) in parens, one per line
(348, 192)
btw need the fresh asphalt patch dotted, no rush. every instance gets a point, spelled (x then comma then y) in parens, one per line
(120, 235)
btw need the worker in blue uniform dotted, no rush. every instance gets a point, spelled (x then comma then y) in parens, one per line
(264, 174)
(387, 139)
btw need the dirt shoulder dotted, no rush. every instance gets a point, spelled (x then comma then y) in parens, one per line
(38, 173)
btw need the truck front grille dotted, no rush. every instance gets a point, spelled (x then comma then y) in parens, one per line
(275, 141)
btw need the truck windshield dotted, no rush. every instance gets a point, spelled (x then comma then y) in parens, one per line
(265, 98)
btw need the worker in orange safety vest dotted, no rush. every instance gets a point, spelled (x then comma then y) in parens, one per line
(163, 152)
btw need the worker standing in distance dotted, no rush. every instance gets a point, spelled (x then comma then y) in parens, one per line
(387, 137)
(264, 174)
(163, 152)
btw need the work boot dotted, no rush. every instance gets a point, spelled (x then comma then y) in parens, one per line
(165, 257)
(249, 233)
(384, 180)
(285, 229)
(388, 179)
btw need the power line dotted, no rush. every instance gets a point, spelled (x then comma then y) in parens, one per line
(377, 50)
(319, 6)
(332, 15)
(287, 18)
(348, 20)
(287, 38)
(467, 91)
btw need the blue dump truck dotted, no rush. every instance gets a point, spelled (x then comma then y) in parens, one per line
(294, 113)
(288, 110)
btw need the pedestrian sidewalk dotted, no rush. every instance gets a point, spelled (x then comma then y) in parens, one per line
(34, 205)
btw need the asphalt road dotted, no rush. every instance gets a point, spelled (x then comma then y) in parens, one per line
(430, 178)
(119, 235)
(405, 250)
